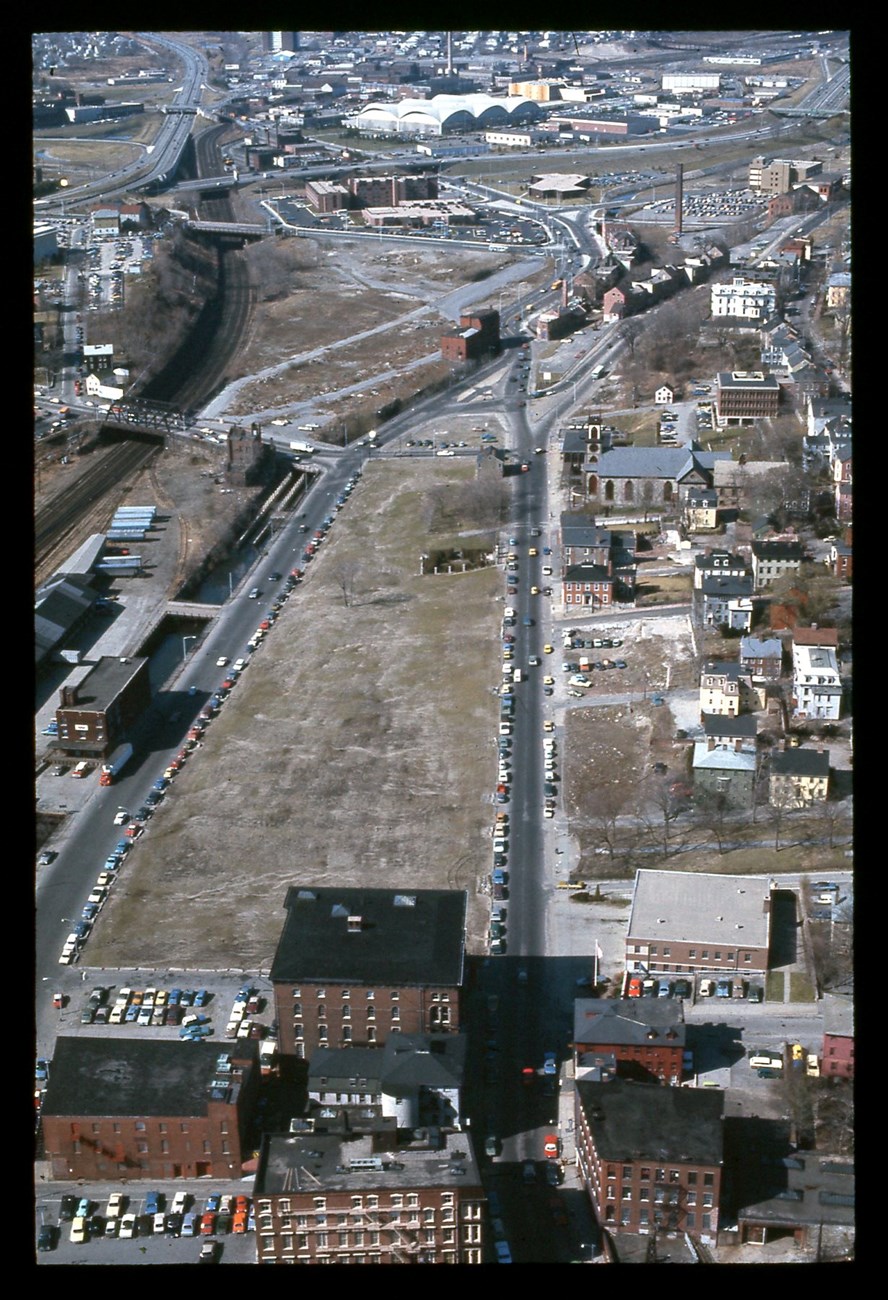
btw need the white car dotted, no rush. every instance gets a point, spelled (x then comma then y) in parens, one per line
(121, 817)
(222, 661)
(116, 1205)
(128, 1225)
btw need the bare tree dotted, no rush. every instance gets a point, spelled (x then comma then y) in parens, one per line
(345, 576)
(712, 813)
(630, 331)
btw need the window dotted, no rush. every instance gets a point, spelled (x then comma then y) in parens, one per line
(346, 994)
(346, 1033)
(395, 995)
(320, 993)
(371, 1034)
(692, 1180)
(718, 955)
(346, 1012)
(299, 1031)
(322, 1012)
(627, 1193)
(627, 1171)
(140, 1126)
(396, 1013)
(322, 1033)
(645, 1173)
(692, 952)
(297, 1008)
(667, 952)
(297, 993)
(709, 1180)
(371, 994)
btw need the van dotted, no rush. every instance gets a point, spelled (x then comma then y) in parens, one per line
(80, 770)
(516, 675)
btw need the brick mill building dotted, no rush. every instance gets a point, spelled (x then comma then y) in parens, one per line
(138, 1108)
(346, 1198)
(354, 966)
(651, 1159)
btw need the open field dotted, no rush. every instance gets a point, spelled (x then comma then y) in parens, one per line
(358, 748)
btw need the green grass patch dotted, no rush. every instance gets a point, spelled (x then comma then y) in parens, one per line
(800, 987)
(774, 986)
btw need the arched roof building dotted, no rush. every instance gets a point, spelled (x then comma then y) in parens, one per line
(443, 114)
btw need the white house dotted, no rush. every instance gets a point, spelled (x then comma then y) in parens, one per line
(816, 684)
(664, 396)
(742, 299)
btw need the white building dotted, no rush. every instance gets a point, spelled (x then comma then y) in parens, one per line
(743, 299)
(817, 686)
(682, 83)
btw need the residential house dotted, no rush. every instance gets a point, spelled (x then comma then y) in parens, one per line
(726, 688)
(590, 585)
(138, 1108)
(718, 564)
(798, 777)
(837, 1051)
(840, 558)
(816, 682)
(692, 923)
(347, 1198)
(725, 772)
(701, 510)
(812, 1201)
(843, 478)
(726, 602)
(742, 300)
(354, 966)
(774, 559)
(664, 395)
(838, 289)
(646, 1036)
(651, 1159)
(761, 658)
(721, 730)
(415, 1079)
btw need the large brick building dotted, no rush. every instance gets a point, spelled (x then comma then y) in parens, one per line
(743, 396)
(325, 1198)
(96, 711)
(354, 966)
(651, 1159)
(136, 1108)
(478, 335)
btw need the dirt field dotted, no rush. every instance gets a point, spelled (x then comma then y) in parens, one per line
(388, 294)
(353, 750)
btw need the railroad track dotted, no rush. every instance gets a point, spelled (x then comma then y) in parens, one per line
(186, 382)
(82, 507)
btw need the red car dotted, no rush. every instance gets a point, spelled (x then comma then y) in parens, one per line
(528, 1074)
(207, 1225)
(550, 1145)
(634, 990)
(239, 1223)
(133, 831)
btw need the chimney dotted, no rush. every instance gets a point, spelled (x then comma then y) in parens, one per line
(355, 924)
(68, 697)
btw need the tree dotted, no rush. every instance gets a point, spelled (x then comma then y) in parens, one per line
(345, 575)
(712, 813)
(630, 331)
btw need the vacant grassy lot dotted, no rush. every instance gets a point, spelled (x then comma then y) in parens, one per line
(357, 748)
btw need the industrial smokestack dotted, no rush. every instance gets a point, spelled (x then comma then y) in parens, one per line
(679, 197)
(450, 54)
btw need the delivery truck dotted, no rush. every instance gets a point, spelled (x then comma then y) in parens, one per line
(304, 448)
(110, 770)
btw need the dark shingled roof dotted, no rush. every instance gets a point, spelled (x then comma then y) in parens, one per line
(637, 1121)
(135, 1076)
(406, 937)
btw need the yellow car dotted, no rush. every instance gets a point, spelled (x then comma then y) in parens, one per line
(533, 551)
(547, 649)
(534, 591)
(548, 681)
(548, 725)
(797, 1052)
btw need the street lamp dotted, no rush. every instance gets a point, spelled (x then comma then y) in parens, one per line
(185, 648)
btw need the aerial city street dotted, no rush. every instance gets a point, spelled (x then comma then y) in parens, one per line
(443, 719)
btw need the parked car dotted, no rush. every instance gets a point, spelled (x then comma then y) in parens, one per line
(209, 1252)
(724, 988)
(707, 987)
(128, 1226)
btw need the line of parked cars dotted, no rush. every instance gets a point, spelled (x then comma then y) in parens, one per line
(221, 1213)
